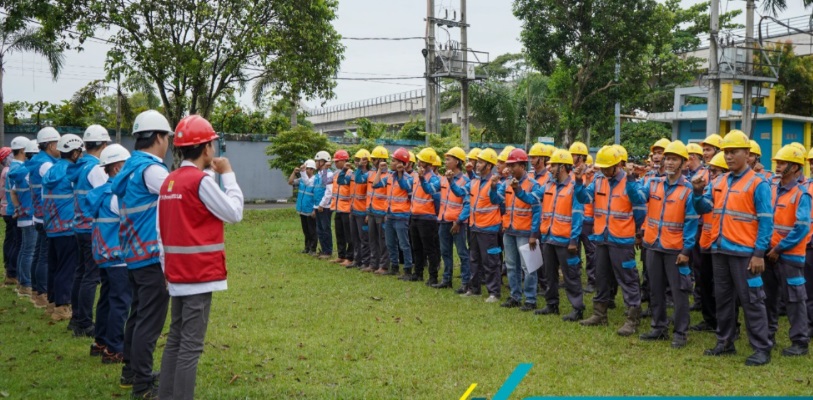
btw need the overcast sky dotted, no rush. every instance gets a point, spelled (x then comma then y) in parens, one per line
(494, 29)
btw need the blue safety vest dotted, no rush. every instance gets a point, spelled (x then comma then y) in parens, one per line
(35, 180)
(137, 206)
(8, 184)
(58, 200)
(18, 175)
(105, 233)
(81, 186)
(304, 198)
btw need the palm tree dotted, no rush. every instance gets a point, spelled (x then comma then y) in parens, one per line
(774, 7)
(25, 39)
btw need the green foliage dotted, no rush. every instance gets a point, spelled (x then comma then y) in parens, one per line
(12, 112)
(289, 149)
(637, 137)
(413, 130)
(230, 117)
(366, 129)
(794, 91)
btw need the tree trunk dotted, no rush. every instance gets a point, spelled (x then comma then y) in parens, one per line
(2, 108)
(294, 104)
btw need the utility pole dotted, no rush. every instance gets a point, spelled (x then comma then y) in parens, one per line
(617, 103)
(713, 116)
(528, 114)
(429, 55)
(749, 62)
(464, 83)
(118, 109)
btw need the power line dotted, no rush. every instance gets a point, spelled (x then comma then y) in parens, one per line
(384, 38)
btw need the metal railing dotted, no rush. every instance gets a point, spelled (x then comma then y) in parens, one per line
(391, 98)
(770, 29)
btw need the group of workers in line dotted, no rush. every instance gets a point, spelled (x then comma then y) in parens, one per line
(81, 212)
(710, 223)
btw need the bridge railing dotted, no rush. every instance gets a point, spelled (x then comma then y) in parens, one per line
(770, 29)
(391, 98)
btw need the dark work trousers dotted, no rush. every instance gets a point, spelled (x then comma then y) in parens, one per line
(85, 281)
(187, 331)
(541, 276)
(323, 230)
(786, 282)
(705, 279)
(39, 265)
(618, 260)
(344, 240)
(645, 292)
(731, 281)
(63, 255)
(115, 296)
(662, 268)
(555, 258)
(589, 252)
(11, 246)
(425, 246)
(485, 262)
(361, 240)
(695, 263)
(809, 287)
(148, 312)
(379, 256)
(309, 231)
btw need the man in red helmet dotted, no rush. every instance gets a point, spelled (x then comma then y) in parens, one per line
(396, 229)
(341, 204)
(191, 213)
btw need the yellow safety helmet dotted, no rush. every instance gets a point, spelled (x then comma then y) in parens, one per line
(578, 148)
(677, 148)
(694, 148)
(662, 143)
(436, 160)
(714, 140)
(607, 157)
(719, 161)
(736, 139)
(799, 146)
(380, 152)
(791, 154)
(540, 150)
(474, 153)
(561, 156)
(589, 160)
(810, 154)
(427, 155)
(363, 153)
(504, 153)
(488, 155)
(411, 157)
(755, 148)
(622, 152)
(551, 148)
(457, 153)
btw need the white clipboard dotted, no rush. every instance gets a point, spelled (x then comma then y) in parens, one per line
(532, 258)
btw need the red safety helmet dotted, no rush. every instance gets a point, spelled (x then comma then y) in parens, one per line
(194, 130)
(341, 155)
(4, 152)
(517, 156)
(401, 155)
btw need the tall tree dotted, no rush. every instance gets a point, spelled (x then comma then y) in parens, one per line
(194, 52)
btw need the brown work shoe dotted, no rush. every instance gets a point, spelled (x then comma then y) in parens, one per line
(62, 313)
(368, 269)
(347, 263)
(9, 282)
(631, 324)
(24, 291)
(49, 309)
(599, 316)
(381, 271)
(338, 260)
(40, 300)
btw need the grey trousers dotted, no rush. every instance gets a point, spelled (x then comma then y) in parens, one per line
(778, 278)
(589, 252)
(732, 279)
(360, 240)
(809, 287)
(485, 262)
(379, 256)
(179, 364)
(662, 269)
(554, 258)
(618, 260)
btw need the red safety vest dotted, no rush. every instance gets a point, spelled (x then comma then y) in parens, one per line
(192, 237)
(666, 216)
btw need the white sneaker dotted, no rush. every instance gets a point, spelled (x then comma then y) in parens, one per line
(492, 299)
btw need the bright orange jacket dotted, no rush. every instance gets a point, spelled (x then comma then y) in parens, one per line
(342, 196)
(557, 213)
(377, 197)
(451, 205)
(485, 215)
(666, 216)
(360, 201)
(785, 217)
(616, 214)
(398, 203)
(518, 214)
(423, 204)
(735, 215)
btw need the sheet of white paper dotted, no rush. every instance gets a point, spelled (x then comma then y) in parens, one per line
(532, 258)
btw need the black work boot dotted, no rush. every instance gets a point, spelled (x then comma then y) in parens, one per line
(654, 335)
(511, 303)
(574, 316)
(795, 350)
(528, 307)
(443, 285)
(721, 349)
(759, 358)
(432, 281)
(548, 310)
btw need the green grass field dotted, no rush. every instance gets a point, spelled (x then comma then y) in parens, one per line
(291, 326)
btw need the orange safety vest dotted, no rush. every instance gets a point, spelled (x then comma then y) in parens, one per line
(665, 217)
(809, 185)
(557, 210)
(484, 214)
(359, 196)
(735, 216)
(588, 208)
(613, 209)
(422, 203)
(377, 197)
(517, 212)
(397, 197)
(784, 217)
(450, 205)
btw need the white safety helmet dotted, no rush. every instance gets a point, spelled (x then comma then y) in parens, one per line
(151, 121)
(47, 134)
(322, 156)
(113, 154)
(19, 143)
(69, 142)
(32, 147)
(96, 133)
(310, 164)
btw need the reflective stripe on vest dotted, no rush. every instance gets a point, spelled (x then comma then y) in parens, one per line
(613, 209)
(483, 213)
(194, 249)
(735, 216)
(422, 203)
(557, 210)
(397, 197)
(784, 218)
(450, 205)
(518, 213)
(666, 214)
